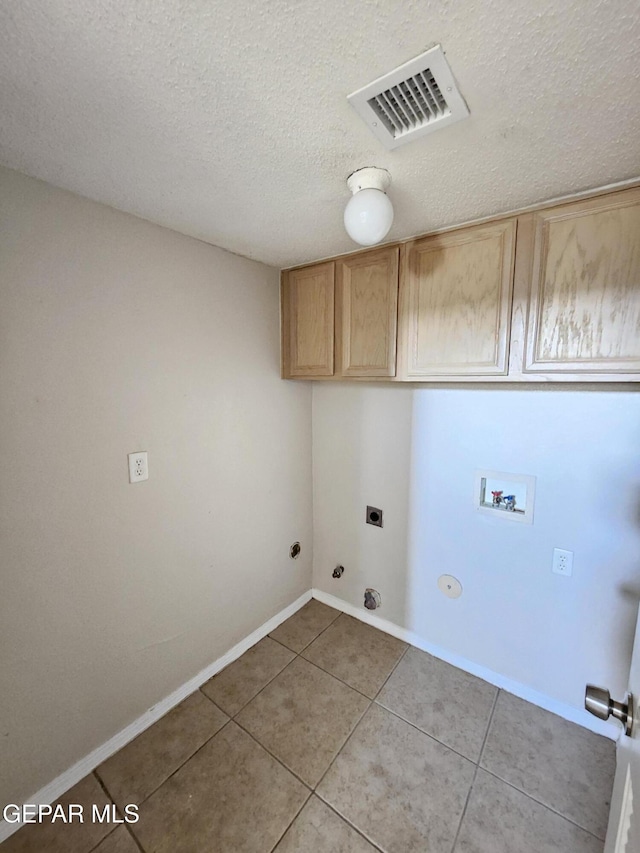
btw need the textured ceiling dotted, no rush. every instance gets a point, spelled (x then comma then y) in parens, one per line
(228, 119)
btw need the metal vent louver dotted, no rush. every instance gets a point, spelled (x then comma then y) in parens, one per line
(417, 98)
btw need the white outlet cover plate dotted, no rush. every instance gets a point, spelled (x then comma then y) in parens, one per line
(450, 586)
(562, 562)
(138, 466)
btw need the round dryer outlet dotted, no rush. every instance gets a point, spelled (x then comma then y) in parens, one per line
(450, 586)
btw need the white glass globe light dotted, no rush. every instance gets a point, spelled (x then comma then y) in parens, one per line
(368, 216)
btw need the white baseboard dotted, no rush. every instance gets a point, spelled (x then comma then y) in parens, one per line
(51, 792)
(567, 712)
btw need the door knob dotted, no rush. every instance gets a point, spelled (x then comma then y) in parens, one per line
(598, 702)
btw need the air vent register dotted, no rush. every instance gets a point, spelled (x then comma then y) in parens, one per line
(417, 98)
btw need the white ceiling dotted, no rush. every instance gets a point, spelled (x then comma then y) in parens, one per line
(228, 119)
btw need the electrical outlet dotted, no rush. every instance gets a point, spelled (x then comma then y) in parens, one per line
(138, 466)
(562, 562)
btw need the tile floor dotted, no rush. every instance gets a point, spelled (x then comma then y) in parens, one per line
(329, 736)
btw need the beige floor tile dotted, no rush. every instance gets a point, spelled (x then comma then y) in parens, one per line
(442, 700)
(65, 837)
(239, 682)
(119, 841)
(557, 762)
(356, 653)
(317, 829)
(500, 819)
(305, 625)
(230, 797)
(143, 765)
(402, 789)
(303, 717)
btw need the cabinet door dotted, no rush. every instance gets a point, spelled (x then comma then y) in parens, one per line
(367, 315)
(456, 290)
(308, 321)
(584, 312)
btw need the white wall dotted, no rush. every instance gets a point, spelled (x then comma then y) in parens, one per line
(115, 336)
(413, 453)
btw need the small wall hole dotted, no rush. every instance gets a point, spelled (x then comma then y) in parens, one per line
(294, 551)
(372, 599)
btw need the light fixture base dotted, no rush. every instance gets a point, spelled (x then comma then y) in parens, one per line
(370, 177)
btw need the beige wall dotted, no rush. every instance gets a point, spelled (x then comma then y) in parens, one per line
(117, 336)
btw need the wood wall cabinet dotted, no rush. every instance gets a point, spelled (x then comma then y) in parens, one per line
(367, 313)
(584, 306)
(339, 318)
(455, 292)
(308, 321)
(552, 295)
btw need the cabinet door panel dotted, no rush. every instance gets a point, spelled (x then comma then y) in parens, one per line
(585, 291)
(368, 312)
(308, 321)
(457, 290)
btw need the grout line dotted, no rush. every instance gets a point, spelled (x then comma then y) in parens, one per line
(173, 772)
(423, 732)
(280, 761)
(104, 838)
(540, 803)
(486, 734)
(374, 844)
(369, 699)
(393, 669)
(215, 705)
(273, 678)
(284, 646)
(515, 788)
(135, 839)
(335, 757)
(229, 721)
(475, 772)
(110, 798)
(337, 678)
(464, 811)
(290, 824)
(119, 811)
(103, 786)
(326, 628)
(299, 655)
(263, 688)
(292, 651)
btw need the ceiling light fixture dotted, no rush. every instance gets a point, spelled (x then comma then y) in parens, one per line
(369, 214)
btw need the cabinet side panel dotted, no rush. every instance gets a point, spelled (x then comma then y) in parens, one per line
(369, 299)
(586, 289)
(285, 325)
